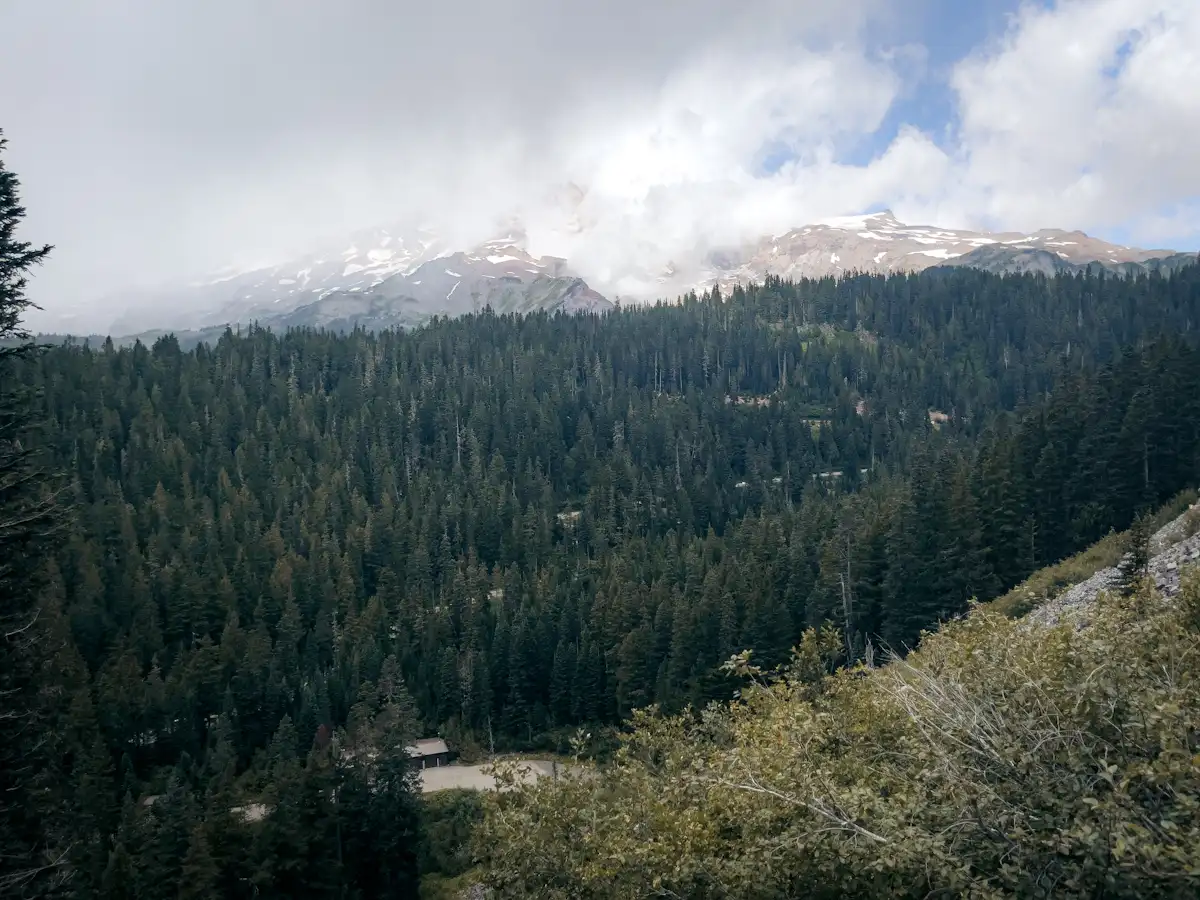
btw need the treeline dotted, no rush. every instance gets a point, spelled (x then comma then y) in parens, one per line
(509, 526)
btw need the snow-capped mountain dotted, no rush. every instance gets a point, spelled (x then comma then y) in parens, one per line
(880, 243)
(500, 274)
(383, 278)
(397, 277)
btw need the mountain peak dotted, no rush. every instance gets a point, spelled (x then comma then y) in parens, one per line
(416, 272)
(879, 243)
(863, 220)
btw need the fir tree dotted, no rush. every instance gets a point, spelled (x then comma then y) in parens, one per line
(1136, 562)
(200, 877)
(30, 851)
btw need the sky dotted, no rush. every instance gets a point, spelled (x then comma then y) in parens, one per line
(156, 142)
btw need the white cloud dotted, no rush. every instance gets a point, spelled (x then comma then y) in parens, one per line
(1086, 114)
(683, 170)
(1083, 115)
(145, 160)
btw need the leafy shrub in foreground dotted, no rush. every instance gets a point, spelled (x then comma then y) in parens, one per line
(998, 760)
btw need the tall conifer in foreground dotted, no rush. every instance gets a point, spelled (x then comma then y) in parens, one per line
(26, 510)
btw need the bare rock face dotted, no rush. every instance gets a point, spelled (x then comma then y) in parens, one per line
(402, 276)
(1173, 551)
(384, 279)
(501, 276)
(879, 243)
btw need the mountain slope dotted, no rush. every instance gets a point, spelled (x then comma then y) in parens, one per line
(240, 296)
(397, 277)
(880, 243)
(382, 280)
(996, 757)
(499, 275)
(1011, 260)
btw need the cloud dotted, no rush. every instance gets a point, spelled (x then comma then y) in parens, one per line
(683, 170)
(1086, 114)
(158, 141)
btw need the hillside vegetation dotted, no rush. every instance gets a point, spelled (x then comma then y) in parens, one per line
(1179, 518)
(995, 761)
(285, 556)
(287, 552)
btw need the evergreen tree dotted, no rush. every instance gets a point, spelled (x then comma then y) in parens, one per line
(32, 851)
(1136, 562)
(200, 878)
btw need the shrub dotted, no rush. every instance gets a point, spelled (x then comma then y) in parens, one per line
(997, 760)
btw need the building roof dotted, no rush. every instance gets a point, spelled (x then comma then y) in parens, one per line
(428, 747)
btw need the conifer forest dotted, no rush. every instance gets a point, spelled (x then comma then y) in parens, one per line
(239, 577)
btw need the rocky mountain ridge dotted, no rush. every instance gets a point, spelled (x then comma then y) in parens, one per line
(395, 277)
(384, 278)
(879, 243)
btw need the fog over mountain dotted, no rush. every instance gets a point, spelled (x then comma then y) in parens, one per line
(401, 278)
(159, 143)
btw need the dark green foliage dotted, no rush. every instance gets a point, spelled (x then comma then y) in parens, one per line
(541, 528)
(449, 819)
(200, 877)
(1136, 562)
(295, 553)
(31, 855)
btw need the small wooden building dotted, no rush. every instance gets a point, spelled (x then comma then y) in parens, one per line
(429, 752)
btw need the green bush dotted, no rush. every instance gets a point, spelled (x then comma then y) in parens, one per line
(998, 760)
(448, 818)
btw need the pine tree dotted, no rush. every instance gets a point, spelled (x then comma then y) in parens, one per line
(120, 877)
(561, 675)
(1136, 562)
(377, 811)
(28, 855)
(119, 881)
(200, 878)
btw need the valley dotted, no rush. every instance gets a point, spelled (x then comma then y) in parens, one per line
(643, 508)
(291, 553)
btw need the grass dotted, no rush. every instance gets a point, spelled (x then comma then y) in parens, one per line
(1191, 523)
(1052, 580)
(1047, 583)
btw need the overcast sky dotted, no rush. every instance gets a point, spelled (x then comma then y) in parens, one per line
(161, 140)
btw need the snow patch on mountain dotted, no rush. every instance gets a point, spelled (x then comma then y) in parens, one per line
(385, 262)
(844, 244)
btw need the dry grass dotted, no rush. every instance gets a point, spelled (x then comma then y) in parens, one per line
(1191, 522)
(1052, 580)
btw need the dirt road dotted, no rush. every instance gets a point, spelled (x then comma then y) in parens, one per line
(443, 778)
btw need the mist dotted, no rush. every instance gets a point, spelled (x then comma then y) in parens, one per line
(157, 142)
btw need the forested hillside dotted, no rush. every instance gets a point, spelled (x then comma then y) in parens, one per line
(499, 528)
(1001, 759)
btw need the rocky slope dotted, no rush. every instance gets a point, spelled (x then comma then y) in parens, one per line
(1174, 547)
